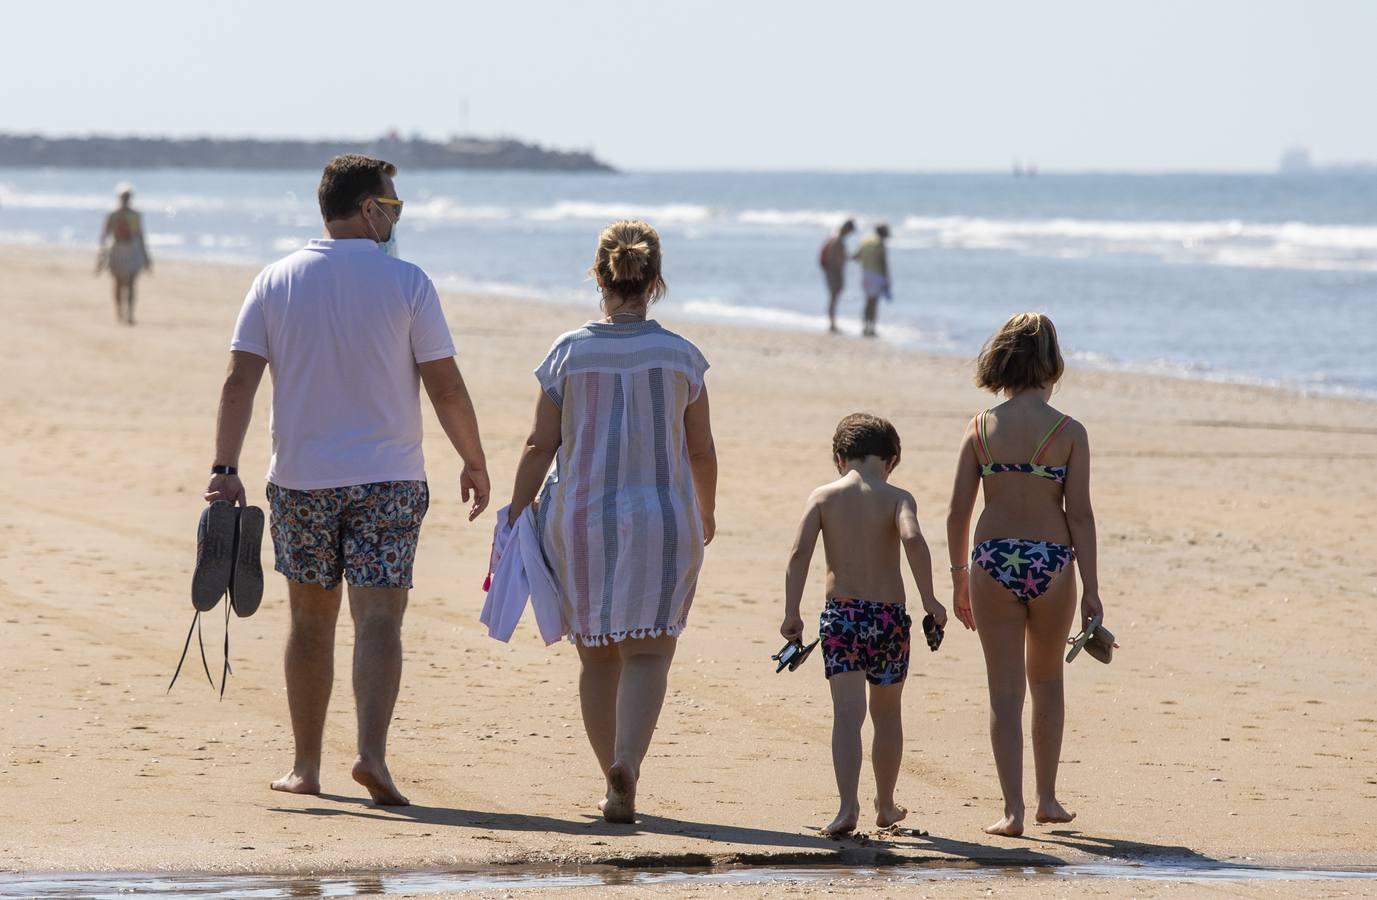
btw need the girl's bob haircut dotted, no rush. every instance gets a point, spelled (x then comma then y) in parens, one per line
(1022, 354)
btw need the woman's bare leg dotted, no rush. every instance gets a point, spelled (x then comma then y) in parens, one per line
(119, 301)
(1049, 622)
(598, 676)
(641, 690)
(1000, 621)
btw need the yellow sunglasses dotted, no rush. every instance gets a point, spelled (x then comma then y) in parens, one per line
(388, 201)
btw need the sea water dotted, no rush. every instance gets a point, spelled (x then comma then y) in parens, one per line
(1269, 279)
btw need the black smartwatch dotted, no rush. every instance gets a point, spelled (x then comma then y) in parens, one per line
(224, 470)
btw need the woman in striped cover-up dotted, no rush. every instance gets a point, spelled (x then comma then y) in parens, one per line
(624, 516)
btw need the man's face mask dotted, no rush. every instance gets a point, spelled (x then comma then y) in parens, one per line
(388, 245)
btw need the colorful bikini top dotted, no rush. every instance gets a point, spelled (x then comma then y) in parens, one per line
(1035, 467)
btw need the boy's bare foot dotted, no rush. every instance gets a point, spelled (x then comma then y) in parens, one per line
(1009, 826)
(892, 814)
(378, 780)
(620, 805)
(1052, 813)
(296, 783)
(844, 823)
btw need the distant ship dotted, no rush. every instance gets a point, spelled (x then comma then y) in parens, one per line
(1297, 161)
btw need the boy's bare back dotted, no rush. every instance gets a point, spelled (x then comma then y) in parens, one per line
(859, 518)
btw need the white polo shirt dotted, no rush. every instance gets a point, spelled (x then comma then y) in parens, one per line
(343, 327)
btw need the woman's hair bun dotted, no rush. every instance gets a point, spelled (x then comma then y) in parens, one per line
(628, 261)
(627, 264)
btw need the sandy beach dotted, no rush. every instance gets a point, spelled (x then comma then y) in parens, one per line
(1237, 723)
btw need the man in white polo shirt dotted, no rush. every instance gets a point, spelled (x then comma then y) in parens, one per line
(350, 333)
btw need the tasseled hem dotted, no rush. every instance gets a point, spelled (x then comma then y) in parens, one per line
(602, 640)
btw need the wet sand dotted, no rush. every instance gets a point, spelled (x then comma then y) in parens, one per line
(1237, 565)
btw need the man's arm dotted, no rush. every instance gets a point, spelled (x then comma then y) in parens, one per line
(232, 423)
(453, 407)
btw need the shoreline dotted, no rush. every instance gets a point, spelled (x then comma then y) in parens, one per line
(769, 320)
(1235, 724)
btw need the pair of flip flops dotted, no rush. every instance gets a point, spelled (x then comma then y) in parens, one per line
(793, 655)
(1096, 640)
(228, 567)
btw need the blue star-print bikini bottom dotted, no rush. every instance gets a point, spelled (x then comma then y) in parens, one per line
(1026, 568)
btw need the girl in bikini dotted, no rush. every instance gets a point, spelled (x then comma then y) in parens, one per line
(1017, 588)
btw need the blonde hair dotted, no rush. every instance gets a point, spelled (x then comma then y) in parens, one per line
(1020, 355)
(627, 264)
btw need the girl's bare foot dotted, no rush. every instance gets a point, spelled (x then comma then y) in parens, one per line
(1052, 813)
(378, 780)
(844, 823)
(620, 805)
(1009, 826)
(296, 783)
(891, 814)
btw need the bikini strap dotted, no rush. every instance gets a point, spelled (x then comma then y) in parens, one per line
(982, 441)
(1051, 436)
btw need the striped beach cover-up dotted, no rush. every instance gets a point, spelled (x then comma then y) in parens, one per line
(618, 517)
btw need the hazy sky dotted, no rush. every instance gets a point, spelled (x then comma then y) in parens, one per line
(887, 84)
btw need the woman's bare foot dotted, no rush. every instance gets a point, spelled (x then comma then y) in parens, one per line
(378, 780)
(891, 814)
(1009, 826)
(620, 805)
(296, 783)
(1052, 813)
(844, 823)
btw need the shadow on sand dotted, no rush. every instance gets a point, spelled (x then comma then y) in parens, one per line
(801, 847)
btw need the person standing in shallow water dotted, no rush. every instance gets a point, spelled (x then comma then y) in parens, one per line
(123, 252)
(1017, 588)
(624, 517)
(875, 283)
(832, 259)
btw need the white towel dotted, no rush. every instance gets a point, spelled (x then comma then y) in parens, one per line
(517, 572)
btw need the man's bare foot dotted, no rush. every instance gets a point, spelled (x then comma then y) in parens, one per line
(378, 780)
(1009, 826)
(892, 814)
(620, 804)
(1052, 813)
(295, 783)
(844, 823)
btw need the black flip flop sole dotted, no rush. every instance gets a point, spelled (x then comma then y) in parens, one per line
(215, 561)
(246, 588)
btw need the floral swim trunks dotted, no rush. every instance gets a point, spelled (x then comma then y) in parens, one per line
(864, 636)
(365, 533)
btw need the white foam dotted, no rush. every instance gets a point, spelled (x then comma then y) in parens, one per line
(1228, 242)
(12, 199)
(825, 218)
(446, 209)
(21, 237)
(674, 213)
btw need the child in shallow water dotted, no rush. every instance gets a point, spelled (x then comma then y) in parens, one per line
(864, 628)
